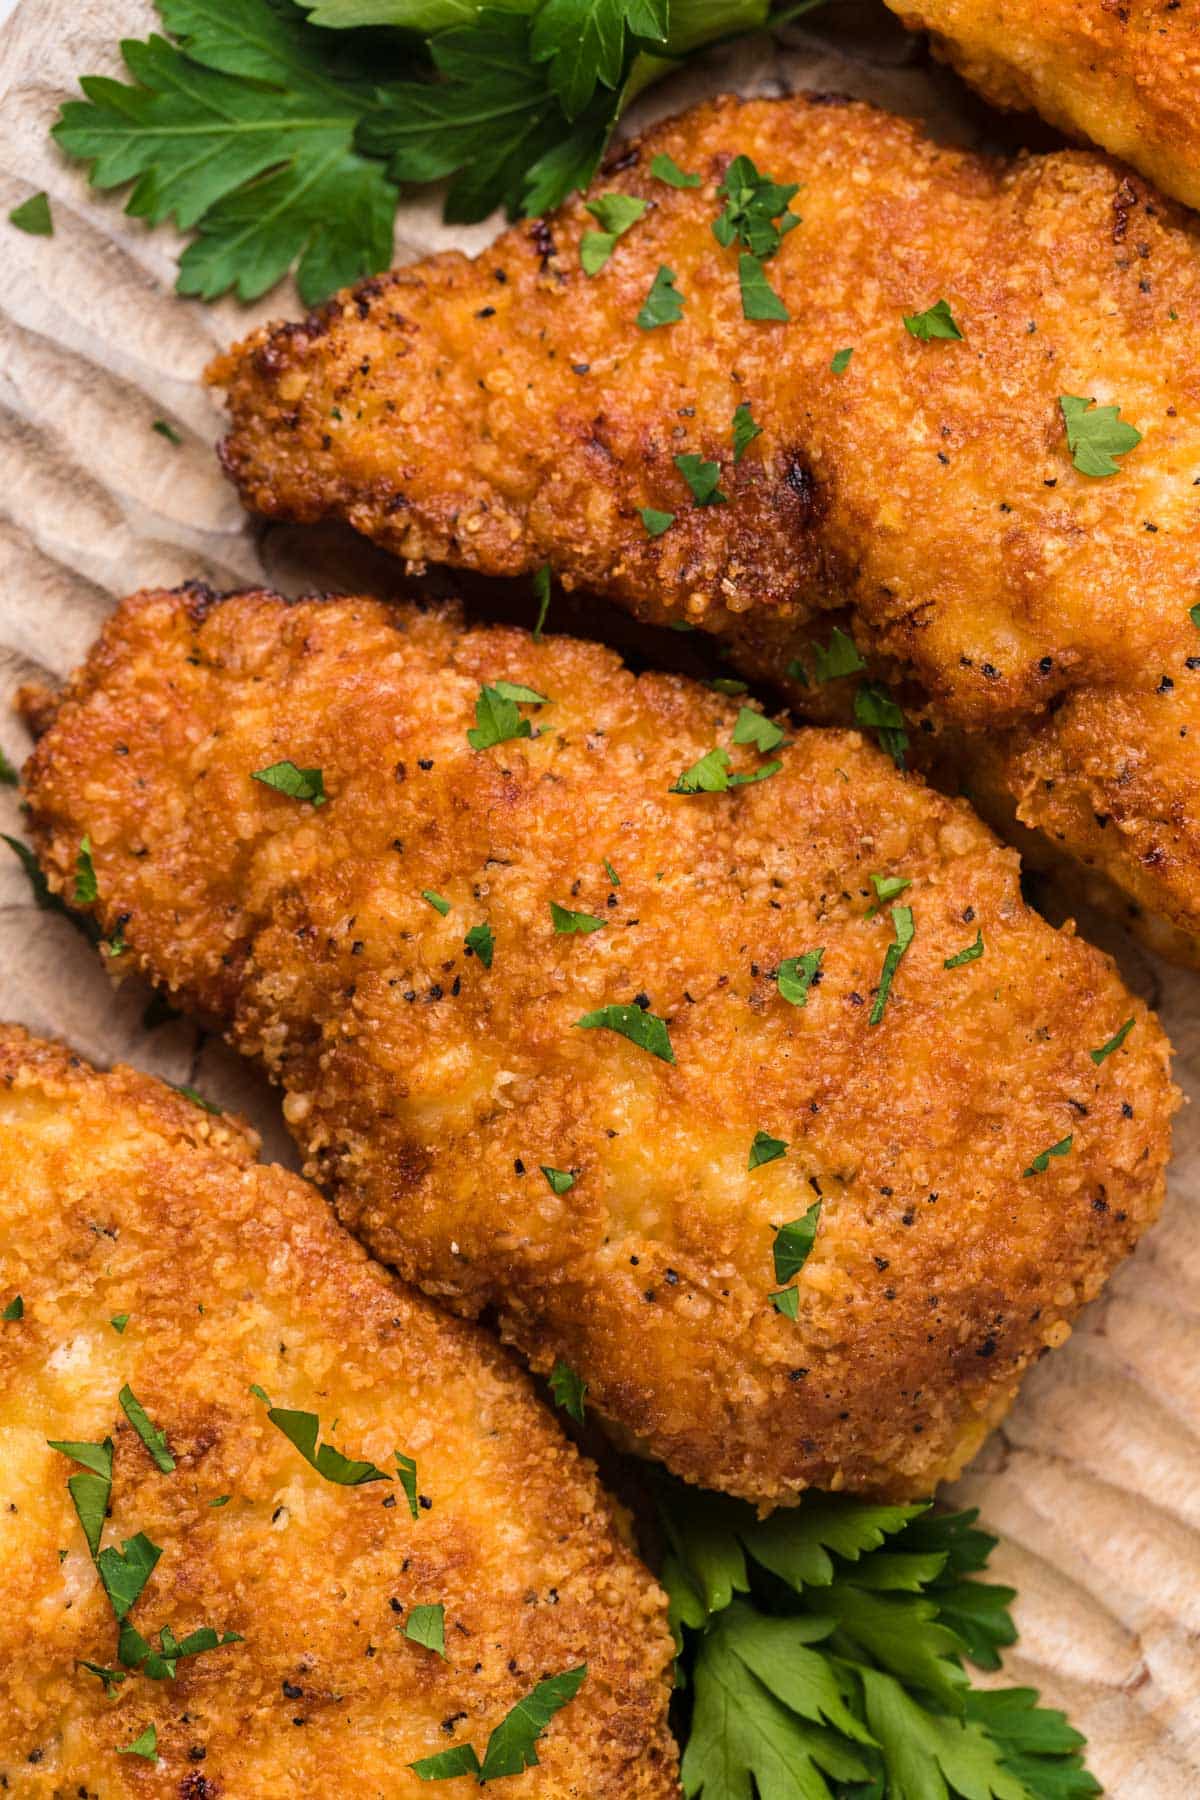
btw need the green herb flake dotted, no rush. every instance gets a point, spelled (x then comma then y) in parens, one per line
(1114, 1043)
(208, 1106)
(728, 684)
(301, 1429)
(787, 1302)
(438, 904)
(165, 429)
(90, 1492)
(221, 1500)
(755, 728)
(644, 1029)
(971, 954)
(841, 360)
(841, 658)
(460, 1760)
(744, 430)
(902, 924)
(1041, 1161)
(112, 1678)
(125, 1572)
(569, 1390)
(426, 1625)
(14, 1310)
(566, 921)
(936, 322)
(406, 1475)
(512, 1746)
(297, 784)
(655, 522)
(33, 216)
(524, 696)
(765, 1149)
(86, 890)
(702, 477)
(146, 1745)
(759, 299)
(796, 974)
(480, 942)
(663, 305)
(561, 1181)
(708, 775)
(665, 168)
(753, 202)
(794, 1242)
(615, 214)
(875, 710)
(887, 887)
(541, 593)
(611, 873)
(154, 1438)
(1096, 435)
(497, 720)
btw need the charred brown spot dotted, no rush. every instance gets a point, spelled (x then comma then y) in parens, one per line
(542, 239)
(1124, 201)
(198, 1787)
(622, 156)
(199, 600)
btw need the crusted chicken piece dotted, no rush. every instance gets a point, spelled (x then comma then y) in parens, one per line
(1125, 75)
(510, 410)
(145, 1254)
(424, 959)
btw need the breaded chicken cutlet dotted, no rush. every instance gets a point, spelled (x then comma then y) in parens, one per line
(768, 1109)
(285, 1631)
(512, 410)
(1126, 76)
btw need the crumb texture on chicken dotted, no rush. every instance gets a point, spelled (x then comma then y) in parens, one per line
(509, 410)
(121, 1200)
(430, 1084)
(1126, 76)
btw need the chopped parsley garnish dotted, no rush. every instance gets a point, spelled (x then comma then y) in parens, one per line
(759, 299)
(841, 658)
(496, 718)
(755, 728)
(971, 954)
(541, 593)
(406, 1475)
(665, 168)
(569, 1390)
(794, 1242)
(8, 775)
(566, 921)
(512, 1745)
(1105, 1050)
(611, 873)
(90, 1492)
(426, 1625)
(1041, 1161)
(118, 1322)
(480, 942)
(438, 904)
(137, 1652)
(655, 522)
(902, 924)
(826, 1644)
(86, 890)
(875, 710)
(208, 1106)
(301, 1429)
(615, 214)
(125, 1572)
(14, 1310)
(796, 975)
(516, 690)
(33, 216)
(786, 1301)
(1096, 435)
(1193, 615)
(729, 684)
(702, 477)
(154, 1438)
(43, 897)
(297, 784)
(221, 1500)
(887, 887)
(642, 1028)
(146, 1745)
(710, 775)
(663, 305)
(744, 430)
(112, 1678)
(561, 1180)
(936, 322)
(765, 1149)
(752, 204)
(168, 431)
(841, 360)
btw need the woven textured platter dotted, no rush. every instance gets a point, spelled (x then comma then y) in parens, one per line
(1094, 1484)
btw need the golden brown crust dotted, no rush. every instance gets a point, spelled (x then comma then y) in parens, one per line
(427, 1089)
(1125, 75)
(121, 1196)
(506, 411)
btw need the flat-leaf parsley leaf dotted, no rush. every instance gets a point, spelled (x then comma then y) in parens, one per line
(1096, 435)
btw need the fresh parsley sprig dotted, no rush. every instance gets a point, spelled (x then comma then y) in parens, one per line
(823, 1652)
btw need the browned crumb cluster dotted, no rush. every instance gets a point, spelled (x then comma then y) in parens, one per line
(123, 1201)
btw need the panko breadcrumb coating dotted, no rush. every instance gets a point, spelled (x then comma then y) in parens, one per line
(141, 1245)
(1126, 76)
(510, 410)
(610, 1201)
